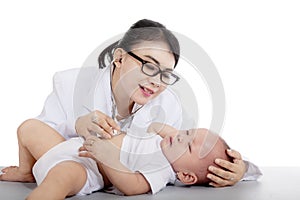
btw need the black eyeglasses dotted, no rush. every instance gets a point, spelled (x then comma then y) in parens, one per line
(150, 69)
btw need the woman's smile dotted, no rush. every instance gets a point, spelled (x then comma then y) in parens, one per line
(147, 92)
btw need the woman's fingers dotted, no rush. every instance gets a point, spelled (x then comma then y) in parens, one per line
(240, 166)
(234, 154)
(226, 164)
(105, 126)
(96, 130)
(222, 173)
(113, 124)
(105, 122)
(218, 182)
(229, 173)
(96, 123)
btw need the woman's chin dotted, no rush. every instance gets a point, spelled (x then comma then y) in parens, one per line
(140, 101)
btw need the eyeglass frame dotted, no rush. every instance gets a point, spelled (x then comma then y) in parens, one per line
(159, 70)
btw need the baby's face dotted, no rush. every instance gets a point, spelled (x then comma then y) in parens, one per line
(184, 150)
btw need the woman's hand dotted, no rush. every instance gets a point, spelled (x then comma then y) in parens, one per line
(96, 123)
(233, 172)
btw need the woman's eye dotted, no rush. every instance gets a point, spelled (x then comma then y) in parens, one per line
(167, 76)
(150, 67)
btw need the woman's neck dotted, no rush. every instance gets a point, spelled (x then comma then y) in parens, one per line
(123, 102)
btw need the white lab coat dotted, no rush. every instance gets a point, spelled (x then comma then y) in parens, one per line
(76, 91)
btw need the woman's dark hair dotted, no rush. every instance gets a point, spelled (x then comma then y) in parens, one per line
(142, 30)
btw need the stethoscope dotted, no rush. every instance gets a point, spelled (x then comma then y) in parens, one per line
(123, 121)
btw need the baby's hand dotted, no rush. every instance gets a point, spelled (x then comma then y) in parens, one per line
(99, 149)
(86, 150)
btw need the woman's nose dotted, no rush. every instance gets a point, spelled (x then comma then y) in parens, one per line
(155, 81)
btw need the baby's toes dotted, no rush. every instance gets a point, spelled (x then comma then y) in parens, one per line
(6, 169)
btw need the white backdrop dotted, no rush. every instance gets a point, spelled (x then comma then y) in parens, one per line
(255, 46)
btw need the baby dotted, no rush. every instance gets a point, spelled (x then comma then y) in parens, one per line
(131, 164)
(168, 157)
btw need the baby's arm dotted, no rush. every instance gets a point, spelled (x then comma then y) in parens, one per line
(128, 182)
(107, 152)
(162, 129)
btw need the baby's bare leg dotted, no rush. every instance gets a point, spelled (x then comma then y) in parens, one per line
(35, 138)
(65, 179)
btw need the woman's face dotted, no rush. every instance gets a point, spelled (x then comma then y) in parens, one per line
(139, 87)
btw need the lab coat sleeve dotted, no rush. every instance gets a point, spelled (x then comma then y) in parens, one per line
(57, 111)
(252, 172)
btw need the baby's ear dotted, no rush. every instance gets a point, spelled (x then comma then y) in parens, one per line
(188, 178)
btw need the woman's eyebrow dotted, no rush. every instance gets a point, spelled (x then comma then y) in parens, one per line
(156, 61)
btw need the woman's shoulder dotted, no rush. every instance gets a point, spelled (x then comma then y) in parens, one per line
(72, 76)
(74, 73)
(65, 76)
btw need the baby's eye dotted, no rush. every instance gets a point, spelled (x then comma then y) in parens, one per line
(190, 148)
(187, 132)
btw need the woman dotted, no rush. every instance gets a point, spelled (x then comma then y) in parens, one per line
(128, 89)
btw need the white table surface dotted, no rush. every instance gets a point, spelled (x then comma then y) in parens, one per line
(277, 183)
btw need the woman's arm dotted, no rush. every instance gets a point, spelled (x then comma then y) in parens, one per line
(57, 109)
(128, 182)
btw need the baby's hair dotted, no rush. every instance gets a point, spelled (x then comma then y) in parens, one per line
(142, 30)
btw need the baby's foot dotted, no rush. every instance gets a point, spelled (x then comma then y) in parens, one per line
(13, 173)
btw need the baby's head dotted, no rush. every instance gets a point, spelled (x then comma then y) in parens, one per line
(191, 152)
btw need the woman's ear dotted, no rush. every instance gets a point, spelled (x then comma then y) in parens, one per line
(188, 178)
(117, 57)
